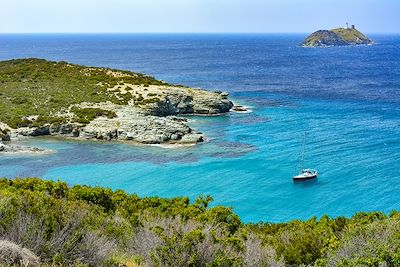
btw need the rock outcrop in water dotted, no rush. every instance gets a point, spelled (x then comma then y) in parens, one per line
(16, 149)
(336, 37)
(62, 99)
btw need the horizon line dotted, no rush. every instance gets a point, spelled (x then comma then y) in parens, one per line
(161, 33)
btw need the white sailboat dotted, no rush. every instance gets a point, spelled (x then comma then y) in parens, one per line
(304, 174)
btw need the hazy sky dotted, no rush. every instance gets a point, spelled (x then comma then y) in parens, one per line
(371, 16)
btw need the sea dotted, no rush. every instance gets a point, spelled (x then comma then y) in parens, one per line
(347, 100)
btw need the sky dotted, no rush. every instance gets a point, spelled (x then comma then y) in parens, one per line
(196, 16)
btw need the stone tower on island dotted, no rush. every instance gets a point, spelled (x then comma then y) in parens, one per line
(352, 26)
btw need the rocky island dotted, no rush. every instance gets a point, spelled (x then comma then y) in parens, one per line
(40, 97)
(336, 37)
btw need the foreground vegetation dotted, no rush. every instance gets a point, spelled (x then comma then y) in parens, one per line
(49, 223)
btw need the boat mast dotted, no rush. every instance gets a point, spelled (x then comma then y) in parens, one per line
(302, 152)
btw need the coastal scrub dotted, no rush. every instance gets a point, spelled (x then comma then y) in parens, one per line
(95, 226)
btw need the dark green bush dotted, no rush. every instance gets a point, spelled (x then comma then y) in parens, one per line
(86, 115)
(43, 119)
(150, 100)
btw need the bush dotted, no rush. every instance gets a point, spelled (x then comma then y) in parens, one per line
(59, 231)
(150, 100)
(374, 244)
(19, 122)
(124, 98)
(12, 254)
(42, 120)
(176, 242)
(86, 115)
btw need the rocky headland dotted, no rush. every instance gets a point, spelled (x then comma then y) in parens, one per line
(41, 97)
(336, 37)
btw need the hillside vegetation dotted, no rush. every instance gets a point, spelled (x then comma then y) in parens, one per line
(352, 36)
(44, 88)
(49, 223)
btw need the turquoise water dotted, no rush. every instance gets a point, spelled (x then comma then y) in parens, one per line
(346, 98)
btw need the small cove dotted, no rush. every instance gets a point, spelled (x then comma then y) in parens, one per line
(353, 124)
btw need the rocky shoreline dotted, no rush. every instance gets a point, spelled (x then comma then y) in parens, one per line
(131, 124)
(120, 105)
(145, 129)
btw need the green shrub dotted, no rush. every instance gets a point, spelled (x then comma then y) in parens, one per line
(18, 122)
(86, 115)
(124, 98)
(150, 100)
(42, 120)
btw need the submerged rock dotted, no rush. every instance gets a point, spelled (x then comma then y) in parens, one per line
(239, 108)
(21, 149)
(192, 138)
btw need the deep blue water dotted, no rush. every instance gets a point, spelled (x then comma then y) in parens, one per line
(347, 98)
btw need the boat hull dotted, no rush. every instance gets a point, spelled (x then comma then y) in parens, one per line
(304, 178)
(306, 174)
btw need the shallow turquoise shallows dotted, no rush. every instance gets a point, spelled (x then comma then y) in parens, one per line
(347, 99)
